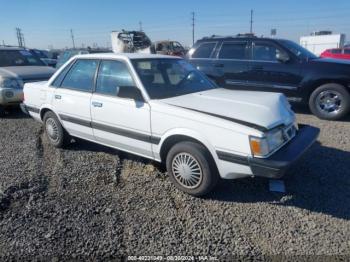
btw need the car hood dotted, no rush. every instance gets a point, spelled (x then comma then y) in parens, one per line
(261, 110)
(27, 73)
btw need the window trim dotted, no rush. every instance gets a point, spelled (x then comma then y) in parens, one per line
(131, 74)
(235, 42)
(212, 51)
(70, 68)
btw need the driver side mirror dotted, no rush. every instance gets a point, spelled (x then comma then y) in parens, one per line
(131, 92)
(282, 57)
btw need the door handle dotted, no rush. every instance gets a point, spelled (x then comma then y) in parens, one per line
(219, 65)
(97, 104)
(58, 97)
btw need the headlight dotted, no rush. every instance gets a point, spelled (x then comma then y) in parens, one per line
(262, 146)
(13, 83)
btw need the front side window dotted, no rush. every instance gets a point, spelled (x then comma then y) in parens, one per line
(165, 78)
(111, 76)
(204, 50)
(265, 52)
(233, 50)
(19, 58)
(81, 75)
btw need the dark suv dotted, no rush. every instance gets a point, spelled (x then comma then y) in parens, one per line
(276, 65)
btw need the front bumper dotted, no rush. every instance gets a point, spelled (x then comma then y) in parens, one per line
(276, 165)
(10, 96)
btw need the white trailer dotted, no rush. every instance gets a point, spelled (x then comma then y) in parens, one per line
(319, 43)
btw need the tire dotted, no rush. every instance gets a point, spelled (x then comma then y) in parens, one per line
(203, 176)
(55, 132)
(330, 102)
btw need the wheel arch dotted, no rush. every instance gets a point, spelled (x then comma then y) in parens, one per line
(320, 82)
(173, 138)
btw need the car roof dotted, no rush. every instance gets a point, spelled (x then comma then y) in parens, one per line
(124, 55)
(244, 38)
(11, 48)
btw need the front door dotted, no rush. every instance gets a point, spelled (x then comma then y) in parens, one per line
(267, 73)
(118, 119)
(72, 98)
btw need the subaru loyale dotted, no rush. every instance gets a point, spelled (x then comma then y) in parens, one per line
(162, 108)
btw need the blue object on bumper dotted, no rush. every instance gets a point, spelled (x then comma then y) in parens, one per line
(276, 165)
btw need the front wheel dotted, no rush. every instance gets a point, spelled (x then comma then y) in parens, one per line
(55, 132)
(191, 168)
(330, 102)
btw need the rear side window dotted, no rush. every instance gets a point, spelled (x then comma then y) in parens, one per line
(58, 80)
(336, 51)
(231, 50)
(81, 75)
(347, 51)
(204, 50)
(111, 76)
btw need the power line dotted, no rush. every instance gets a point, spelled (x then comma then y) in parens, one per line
(193, 24)
(72, 36)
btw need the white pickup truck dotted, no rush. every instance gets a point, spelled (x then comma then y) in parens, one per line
(162, 108)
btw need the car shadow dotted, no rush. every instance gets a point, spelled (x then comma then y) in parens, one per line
(14, 113)
(319, 182)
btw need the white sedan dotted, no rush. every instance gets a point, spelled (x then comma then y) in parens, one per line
(162, 108)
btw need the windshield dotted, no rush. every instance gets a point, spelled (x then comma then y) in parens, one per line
(164, 78)
(19, 58)
(297, 50)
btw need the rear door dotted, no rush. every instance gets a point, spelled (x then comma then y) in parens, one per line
(72, 98)
(231, 64)
(267, 73)
(118, 119)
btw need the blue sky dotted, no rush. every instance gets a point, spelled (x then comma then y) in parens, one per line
(48, 22)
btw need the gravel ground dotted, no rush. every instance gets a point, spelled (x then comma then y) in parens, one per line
(88, 201)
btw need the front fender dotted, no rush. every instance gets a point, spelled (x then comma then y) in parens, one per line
(184, 132)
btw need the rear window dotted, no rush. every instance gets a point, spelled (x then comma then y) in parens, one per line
(19, 58)
(233, 51)
(204, 50)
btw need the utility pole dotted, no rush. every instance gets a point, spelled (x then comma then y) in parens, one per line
(140, 23)
(193, 24)
(72, 36)
(251, 21)
(3, 42)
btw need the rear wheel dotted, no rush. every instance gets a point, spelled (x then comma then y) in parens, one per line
(191, 168)
(55, 132)
(330, 102)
